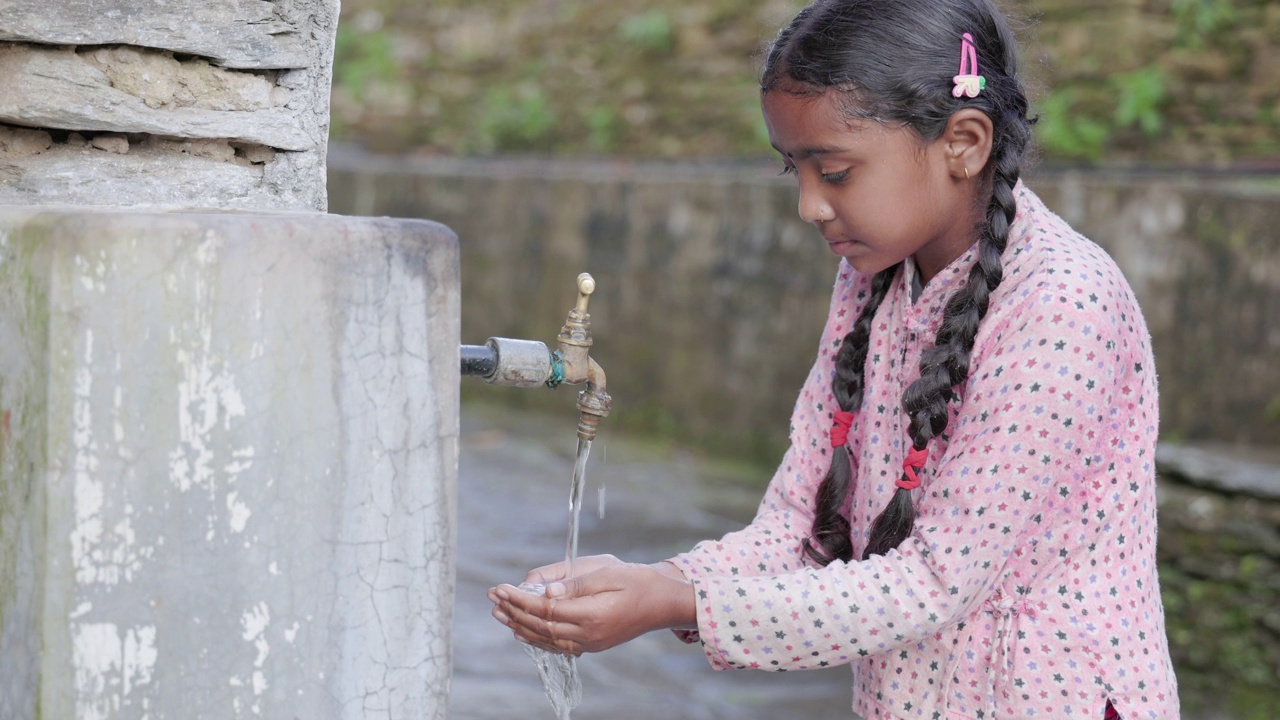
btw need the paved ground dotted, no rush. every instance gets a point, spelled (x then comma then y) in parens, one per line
(512, 506)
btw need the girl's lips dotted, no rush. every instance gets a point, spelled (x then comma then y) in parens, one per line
(840, 246)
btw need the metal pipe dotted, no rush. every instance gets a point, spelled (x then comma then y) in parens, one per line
(478, 361)
(521, 363)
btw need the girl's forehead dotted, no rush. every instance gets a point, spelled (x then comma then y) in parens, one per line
(804, 118)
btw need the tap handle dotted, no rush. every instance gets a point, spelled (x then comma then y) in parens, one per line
(586, 286)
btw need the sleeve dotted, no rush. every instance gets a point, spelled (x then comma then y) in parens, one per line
(1037, 433)
(771, 544)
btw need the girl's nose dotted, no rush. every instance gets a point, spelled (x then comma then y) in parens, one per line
(814, 208)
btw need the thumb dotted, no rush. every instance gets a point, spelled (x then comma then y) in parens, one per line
(595, 582)
(566, 589)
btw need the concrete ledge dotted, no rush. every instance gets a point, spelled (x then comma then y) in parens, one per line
(1247, 471)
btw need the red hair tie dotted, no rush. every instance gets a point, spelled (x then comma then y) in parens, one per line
(840, 431)
(915, 461)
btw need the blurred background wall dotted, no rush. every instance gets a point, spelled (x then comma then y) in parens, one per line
(625, 139)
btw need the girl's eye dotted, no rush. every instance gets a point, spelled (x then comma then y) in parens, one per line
(835, 177)
(788, 170)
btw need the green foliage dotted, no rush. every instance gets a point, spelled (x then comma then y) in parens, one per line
(1141, 97)
(650, 31)
(603, 126)
(361, 58)
(1065, 132)
(435, 69)
(515, 119)
(1199, 20)
(1070, 128)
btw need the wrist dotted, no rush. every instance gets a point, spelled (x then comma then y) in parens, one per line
(669, 569)
(678, 600)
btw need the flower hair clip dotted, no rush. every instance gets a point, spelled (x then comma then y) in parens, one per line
(968, 83)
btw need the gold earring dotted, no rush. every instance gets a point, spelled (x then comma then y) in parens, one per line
(966, 172)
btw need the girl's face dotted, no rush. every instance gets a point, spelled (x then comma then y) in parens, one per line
(878, 194)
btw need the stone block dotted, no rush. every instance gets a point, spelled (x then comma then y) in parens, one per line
(244, 82)
(127, 90)
(227, 465)
(234, 33)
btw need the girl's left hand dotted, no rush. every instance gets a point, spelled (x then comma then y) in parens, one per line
(596, 611)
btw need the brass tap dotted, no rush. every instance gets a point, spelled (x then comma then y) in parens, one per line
(528, 363)
(579, 367)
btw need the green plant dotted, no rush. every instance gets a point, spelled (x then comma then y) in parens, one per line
(648, 31)
(361, 58)
(602, 122)
(1198, 19)
(519, 118)
(1141, 96)
(1066, 132)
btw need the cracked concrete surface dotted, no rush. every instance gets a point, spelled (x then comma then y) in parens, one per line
(234, 496)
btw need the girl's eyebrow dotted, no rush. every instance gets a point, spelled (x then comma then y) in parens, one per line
(811, 151)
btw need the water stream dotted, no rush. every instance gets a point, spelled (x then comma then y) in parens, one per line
(559, 673)
(576, 490)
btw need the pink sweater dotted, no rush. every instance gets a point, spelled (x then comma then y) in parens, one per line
(1029, 586)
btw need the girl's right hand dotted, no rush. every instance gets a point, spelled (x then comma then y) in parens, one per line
(548, 574)
(605, 603)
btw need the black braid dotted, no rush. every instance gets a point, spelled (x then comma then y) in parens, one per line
(830, 540)
(946, 364)
(891, 62)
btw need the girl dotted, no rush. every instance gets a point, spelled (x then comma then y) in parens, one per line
(966, 514)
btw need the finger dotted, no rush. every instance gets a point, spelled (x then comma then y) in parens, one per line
(530, 602)
(525, 614)
(582, 586)
(547, 573)
(545, 628)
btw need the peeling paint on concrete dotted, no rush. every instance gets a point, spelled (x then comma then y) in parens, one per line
(110, 665)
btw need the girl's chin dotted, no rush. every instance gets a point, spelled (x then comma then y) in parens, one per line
(866, 264)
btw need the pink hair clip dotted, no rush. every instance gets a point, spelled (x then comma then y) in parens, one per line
(968, 83)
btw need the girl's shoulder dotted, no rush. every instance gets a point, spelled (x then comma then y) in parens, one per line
(1048, 261)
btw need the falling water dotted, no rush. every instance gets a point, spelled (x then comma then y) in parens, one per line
(575, 503)
(559, 673)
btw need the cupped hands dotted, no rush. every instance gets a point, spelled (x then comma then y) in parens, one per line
(606, 603)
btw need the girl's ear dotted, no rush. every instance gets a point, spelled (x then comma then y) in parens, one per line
(967, 143)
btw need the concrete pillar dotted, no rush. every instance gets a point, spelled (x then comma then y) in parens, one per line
(227, 465)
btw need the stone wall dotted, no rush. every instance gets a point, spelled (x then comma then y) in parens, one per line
(184, 104)
(712, 292)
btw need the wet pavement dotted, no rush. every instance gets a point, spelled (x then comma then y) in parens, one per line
(512, 515)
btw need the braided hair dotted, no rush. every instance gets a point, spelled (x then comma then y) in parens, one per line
(893, 62)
